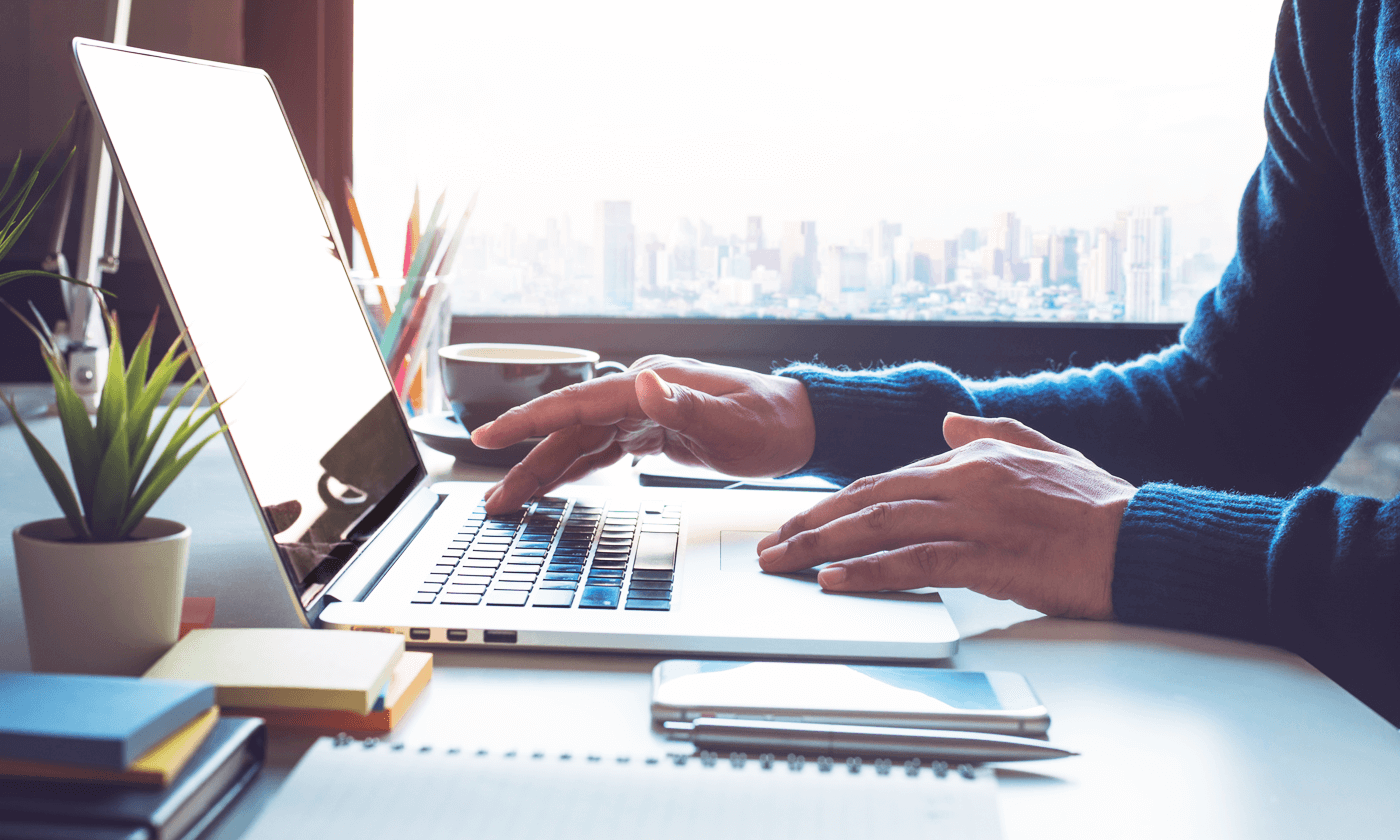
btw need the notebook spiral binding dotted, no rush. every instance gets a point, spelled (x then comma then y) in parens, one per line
(738, 760)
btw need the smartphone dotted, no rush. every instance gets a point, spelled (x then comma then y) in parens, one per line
(928, 698)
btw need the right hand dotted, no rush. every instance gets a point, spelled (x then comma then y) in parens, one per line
(731, 420)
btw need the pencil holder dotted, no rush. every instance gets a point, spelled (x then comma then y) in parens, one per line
(411, 319)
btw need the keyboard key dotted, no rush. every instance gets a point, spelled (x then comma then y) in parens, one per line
(460, 600)
(570, 585)
(656, 551)
(616, 584)
(478, 564)
(614, 574)
(515, 585)
(599, 597)
(653, 574)
(471, 578)
(561, 576)
(422, 598)
(651, 585)
(516, 576)
(466, 589)
(437, 577)
(553, 598)
(506, 598)
(646, 604)
(529, 552)
(430, 588)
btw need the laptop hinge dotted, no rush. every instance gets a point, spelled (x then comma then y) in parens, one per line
(376, 556)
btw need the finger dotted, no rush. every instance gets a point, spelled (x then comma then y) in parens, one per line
(597, 402)
(679, 408)
(942, 564)
(883, 526)
(915, 482)
(961, 429)
(543, 466)
(588, 464)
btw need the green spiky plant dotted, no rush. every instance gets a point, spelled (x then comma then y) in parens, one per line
(109, 459)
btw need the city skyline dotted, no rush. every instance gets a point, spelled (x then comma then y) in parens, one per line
(1007, 268)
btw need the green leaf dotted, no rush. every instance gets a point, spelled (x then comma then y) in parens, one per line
(83, 451)
(111, 408)
(183, 433)
(14, 170)
(161, 483)
(145, 406)
(53, 474)
(140, 358)
(111, 492)
(144, 454)
(14, 229)
(50, 351)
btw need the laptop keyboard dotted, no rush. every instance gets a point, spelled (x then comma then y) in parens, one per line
(560, 554)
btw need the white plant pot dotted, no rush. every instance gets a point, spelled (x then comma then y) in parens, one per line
(101, 608)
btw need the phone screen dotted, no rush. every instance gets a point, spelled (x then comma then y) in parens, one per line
(816, 692)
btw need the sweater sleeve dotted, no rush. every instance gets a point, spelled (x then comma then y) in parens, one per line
(1316, 573)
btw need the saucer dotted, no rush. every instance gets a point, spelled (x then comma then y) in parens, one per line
(442, 432)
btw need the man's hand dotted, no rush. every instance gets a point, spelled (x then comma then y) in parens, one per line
(1008, 513)
(731, 420)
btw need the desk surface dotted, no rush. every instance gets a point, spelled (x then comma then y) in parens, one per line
(1181, 735)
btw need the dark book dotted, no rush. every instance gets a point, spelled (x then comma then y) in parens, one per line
(220, 770)
(93, 721)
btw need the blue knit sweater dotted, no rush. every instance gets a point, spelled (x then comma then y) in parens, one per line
(1277, 372)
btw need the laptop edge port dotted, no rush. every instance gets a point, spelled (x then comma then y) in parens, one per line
(419, 634)
(502, 636)
(456, 635)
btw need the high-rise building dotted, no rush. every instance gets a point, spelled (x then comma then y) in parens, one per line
(1064, 258)
(754, 237)
(1147, 260)
(1006, 236)
(800, 265)
(1100, 266)
(613, 239)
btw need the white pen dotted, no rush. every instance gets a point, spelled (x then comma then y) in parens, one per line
(815, 739)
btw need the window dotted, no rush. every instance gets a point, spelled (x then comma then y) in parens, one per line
(1072, 162)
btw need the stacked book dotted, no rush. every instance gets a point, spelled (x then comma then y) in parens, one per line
(80, 755)
(330, 680)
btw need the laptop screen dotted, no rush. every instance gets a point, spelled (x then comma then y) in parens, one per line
(234, 224)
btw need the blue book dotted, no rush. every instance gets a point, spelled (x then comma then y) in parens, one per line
(95, 721)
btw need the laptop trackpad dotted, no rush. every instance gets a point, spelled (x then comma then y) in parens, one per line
(738, 552)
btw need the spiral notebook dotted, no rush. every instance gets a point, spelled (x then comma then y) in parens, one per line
(348, 788)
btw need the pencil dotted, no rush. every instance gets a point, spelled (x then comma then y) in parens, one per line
(364, 237)
(410, 244)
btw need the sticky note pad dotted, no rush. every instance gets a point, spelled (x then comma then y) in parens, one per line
(90, 720)
(286, 668)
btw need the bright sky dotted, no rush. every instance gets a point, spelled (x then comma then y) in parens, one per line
(934, 113)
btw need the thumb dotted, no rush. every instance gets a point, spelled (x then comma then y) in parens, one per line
(961, 429)
(670, 405)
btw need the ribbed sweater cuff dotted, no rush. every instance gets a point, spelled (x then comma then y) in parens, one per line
(1195, 559)
(873, 421)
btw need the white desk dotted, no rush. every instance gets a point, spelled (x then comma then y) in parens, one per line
(1182, 735)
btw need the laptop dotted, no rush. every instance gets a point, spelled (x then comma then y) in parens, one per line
(363, 539)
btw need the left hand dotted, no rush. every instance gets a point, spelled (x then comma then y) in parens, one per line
(1007, 512)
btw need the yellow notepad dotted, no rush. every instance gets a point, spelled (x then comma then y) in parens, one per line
(410, 677)
(259, 668)
(157, 767)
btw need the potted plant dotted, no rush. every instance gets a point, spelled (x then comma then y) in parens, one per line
(102, 587)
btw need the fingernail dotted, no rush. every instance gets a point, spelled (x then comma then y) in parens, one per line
(666, 388)
(769, 555)
(831, 577)
(484, 427)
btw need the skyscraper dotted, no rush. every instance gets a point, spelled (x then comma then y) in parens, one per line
(613, 239)
(754, 237)
(799, 254)
(1147, 261)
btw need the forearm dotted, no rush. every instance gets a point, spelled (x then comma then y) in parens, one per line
(1317, 573)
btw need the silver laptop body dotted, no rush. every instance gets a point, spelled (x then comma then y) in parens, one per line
(245, 253)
